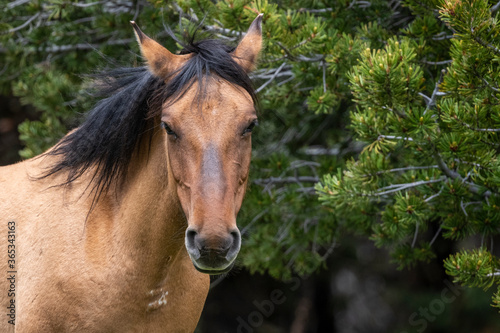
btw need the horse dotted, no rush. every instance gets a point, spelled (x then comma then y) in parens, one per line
(118, 227)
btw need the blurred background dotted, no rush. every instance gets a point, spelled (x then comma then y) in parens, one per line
(306, 265)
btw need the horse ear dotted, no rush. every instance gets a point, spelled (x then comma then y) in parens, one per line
(247, 51)
(161, 62)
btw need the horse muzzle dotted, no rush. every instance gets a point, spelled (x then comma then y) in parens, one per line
(214, 255)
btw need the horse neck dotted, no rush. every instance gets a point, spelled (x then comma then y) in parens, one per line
(148, 222)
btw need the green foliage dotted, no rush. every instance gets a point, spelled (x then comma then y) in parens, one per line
(50, 90)
(407, 256)
(474, 268)
(390, 84)
(430, 166)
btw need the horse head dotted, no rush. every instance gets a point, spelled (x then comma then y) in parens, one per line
(208, 116)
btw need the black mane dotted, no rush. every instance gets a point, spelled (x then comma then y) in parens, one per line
(131, 99)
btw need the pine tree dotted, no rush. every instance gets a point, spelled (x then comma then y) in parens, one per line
(427, 108)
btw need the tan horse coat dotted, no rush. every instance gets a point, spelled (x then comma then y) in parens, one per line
(108, 276)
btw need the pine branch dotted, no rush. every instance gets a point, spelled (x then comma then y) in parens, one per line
(484, 43)
(72, 47)
(434, 195)
(436, 235)
(307, 190)
(212, 28)
(463, 208)
(292, 77)
(442, 36)
(437, 63)
(435, 93)
(415, 236)
(296, 46)
(398, 113)
(276, 72)
(255, 219)
(4, 69)
(479, 129)
(22, 26)
(84, 5)
(268, 73)
(315, 58)
(487, 83)
(477, 165)
(392, 137)
(286, 180)
(496, 273)
(474, 188)
(433, 10)
(400, 187)
(271, 60)
(406, 169)
(313, 11)
(17, 3)
(361, 4)
(323, 63)
(495, 7)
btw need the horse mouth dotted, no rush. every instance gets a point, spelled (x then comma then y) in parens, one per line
(214, 271)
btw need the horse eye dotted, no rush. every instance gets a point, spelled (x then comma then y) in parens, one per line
(168, 129)
(250, 127)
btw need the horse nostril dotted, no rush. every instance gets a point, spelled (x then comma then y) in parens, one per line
(236, 237)
(190, 235)
(235, 243)
(191, 245)
(235, 234)
(232, 240)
